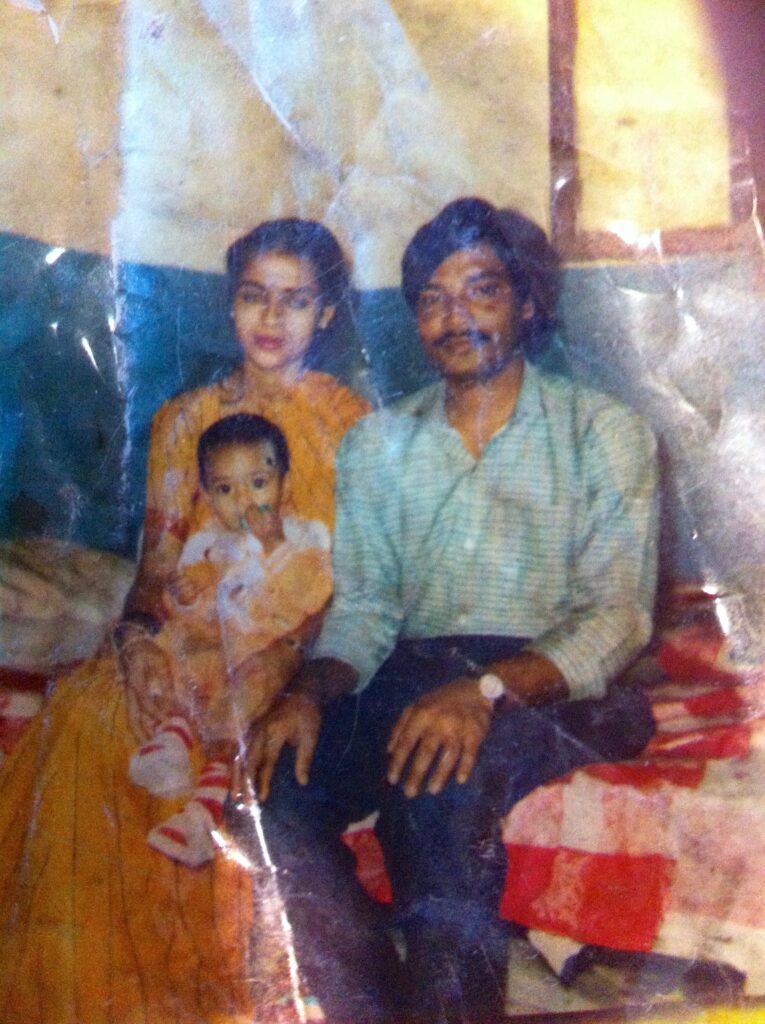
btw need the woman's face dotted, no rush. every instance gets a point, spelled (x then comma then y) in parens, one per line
(277, 309)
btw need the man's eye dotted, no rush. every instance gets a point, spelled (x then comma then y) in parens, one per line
(428, 301)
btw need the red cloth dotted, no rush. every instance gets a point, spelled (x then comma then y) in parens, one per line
(666, 852)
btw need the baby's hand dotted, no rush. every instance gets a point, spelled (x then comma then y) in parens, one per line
(183, 589)
(265, 524)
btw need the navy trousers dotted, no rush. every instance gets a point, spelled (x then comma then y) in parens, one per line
(443, 853)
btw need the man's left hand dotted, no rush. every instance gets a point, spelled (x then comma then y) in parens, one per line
(442, 733)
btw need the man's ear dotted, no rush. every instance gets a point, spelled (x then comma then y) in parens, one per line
(326, 317)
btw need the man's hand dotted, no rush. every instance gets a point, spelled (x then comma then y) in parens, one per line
(442, 733)
(263, 675)
(294, 720)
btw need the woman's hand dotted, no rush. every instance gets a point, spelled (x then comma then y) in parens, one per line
(148, 683)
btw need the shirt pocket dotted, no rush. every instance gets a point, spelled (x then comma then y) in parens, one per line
(533, 549)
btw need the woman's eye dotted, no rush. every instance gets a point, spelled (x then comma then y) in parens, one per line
(251, 297)
(485, 291)
(298, 302)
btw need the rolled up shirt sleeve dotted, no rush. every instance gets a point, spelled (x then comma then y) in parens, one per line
(615, 562)
(364, 620)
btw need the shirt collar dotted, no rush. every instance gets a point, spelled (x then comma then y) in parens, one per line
(528, 407)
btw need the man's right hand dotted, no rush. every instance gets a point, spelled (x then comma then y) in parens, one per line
(295, 720)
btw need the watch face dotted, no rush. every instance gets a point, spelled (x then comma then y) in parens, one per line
(491, 686)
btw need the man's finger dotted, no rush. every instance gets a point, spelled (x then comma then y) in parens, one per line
(427, 751)
(470, 747)
(304, 755)
(399, 727)
(406, 740)
(440, 776)
(272, 748)
(254, 752)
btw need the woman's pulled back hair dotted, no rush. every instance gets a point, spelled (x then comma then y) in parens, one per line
(533, 265)
(309, 240)
(241, 428)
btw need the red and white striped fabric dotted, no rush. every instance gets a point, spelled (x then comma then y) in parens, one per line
(665, 853)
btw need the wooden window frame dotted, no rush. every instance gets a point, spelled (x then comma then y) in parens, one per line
(576, 245)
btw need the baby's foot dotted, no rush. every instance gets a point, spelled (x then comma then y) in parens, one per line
(163, 766)
(186, 837)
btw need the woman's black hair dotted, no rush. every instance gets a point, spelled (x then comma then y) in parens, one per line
(309, 240)
(533, 265)
(241, 428)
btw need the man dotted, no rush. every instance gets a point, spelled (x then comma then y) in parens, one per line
(495, 568)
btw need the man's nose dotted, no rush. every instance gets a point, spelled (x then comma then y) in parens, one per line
(458, 315)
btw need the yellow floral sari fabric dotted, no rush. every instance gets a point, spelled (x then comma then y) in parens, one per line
(95, 927)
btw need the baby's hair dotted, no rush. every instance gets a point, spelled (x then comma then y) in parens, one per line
(241, 428)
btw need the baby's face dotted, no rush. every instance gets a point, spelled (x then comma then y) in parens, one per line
(242, 478)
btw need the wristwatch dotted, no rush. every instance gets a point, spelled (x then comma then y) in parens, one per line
(491, 687)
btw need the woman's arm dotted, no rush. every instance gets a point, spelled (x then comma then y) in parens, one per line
(170, 485)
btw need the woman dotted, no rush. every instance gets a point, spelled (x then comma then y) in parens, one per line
(94, 925)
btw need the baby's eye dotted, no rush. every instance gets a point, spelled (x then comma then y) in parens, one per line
(223, 488)
(259, 482)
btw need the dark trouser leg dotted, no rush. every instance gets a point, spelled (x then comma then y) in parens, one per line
(342, 944)
(444, 853)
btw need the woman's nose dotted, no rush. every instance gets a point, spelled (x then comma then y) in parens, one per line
(274, 309)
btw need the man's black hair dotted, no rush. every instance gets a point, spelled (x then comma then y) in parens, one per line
(241, 428)
(533, 266)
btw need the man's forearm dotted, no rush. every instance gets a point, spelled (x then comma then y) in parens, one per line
(530, 678)
(324, 680)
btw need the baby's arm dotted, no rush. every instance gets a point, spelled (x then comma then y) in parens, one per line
(266, 525)
(188, 583)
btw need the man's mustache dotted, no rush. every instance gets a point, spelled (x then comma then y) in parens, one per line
(472, 337)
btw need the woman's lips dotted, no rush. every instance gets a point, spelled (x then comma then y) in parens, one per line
(268, 342)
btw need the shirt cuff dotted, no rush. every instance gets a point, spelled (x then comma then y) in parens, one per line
(347, 638)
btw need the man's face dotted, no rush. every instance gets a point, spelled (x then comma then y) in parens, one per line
(468, 316)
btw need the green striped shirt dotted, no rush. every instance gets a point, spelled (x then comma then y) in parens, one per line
(550, 534)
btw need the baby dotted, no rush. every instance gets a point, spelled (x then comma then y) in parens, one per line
(250, 578)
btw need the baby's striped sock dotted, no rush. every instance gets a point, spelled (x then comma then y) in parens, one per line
(187, 837)
(163, 766)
